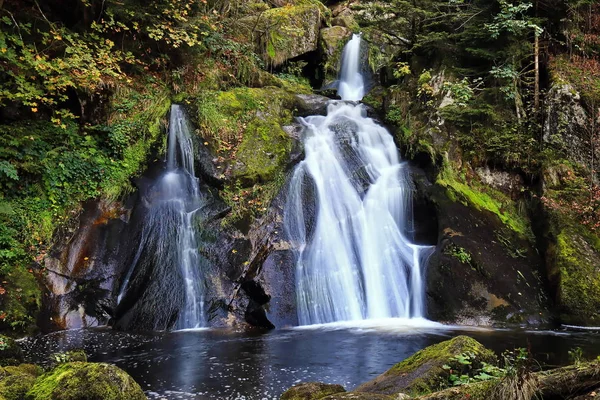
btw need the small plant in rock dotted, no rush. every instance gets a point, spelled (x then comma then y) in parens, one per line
(466, 370)
(576, 355)
(460, 253)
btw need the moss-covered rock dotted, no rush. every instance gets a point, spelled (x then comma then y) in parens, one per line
(15, 381)
(331, 46)
(86, 381)
(573, 262)
(21, 369)
(311, 391)
(423, 372)
(10, 351)
(283, 33)
(242, 129)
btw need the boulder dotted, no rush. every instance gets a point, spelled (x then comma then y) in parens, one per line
(311, 391)
(485, 269)
(283, 33)
(312, 104)
(86, 381)
(424, 371)
(15, 381)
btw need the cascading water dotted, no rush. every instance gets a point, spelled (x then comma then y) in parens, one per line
(351, 84)
(349, 211)
(169, 232)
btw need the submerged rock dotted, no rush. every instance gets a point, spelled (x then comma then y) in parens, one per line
(311, 391)
(423, 372)
(86, 381)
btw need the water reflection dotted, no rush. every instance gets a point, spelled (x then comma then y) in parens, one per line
(224, 364)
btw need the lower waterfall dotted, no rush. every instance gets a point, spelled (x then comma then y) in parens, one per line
(168, 238)
(349, 215)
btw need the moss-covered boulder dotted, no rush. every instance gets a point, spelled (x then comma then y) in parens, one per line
(573, 263)
(423, 372)
(311, 391)
(86, 381)
(331, 46)
(10, 352)
(280, 34)
(16, 381)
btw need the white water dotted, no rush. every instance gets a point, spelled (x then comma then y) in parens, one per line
(351, 85)
(174, 200)
(355, 261)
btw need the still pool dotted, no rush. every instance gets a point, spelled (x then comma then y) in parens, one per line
(229, 364)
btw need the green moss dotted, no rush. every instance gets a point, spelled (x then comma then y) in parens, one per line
(579, 285)
(423, 372)
(89, 381)
(15, 387)
(137, 118)
(242, 126)
(263, 150)
(287, 32)
(482, 197)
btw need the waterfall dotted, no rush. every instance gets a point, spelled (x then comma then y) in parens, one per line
(169, 232)
(349, 214)
(351, 85)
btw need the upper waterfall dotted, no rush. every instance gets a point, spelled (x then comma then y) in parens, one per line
(349, 215)
(351, 85)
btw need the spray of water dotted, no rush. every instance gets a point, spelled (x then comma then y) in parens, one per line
(349, 211)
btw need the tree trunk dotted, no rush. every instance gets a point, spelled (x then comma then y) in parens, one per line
(536, 90)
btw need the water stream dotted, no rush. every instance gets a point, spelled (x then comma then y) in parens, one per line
(355, 258)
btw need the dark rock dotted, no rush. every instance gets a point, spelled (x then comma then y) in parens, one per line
(312, 104)
(482, 272)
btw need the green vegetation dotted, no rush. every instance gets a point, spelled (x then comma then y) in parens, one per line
(485, 198)
(430, 369)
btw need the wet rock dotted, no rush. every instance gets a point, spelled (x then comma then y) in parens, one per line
(482, 272)
(312, 104)
(311, 391)
(423, 372)
(10, 351)
(82, 269)
(86, 381)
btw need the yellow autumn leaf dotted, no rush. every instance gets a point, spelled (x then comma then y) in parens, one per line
(34, 109)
